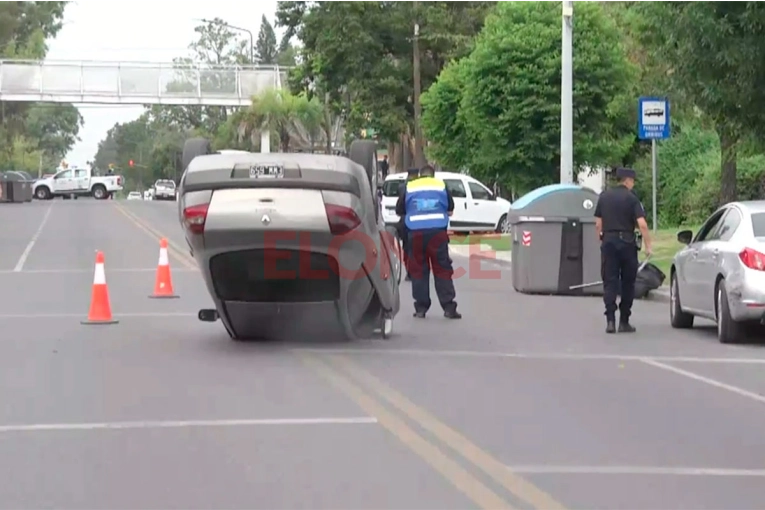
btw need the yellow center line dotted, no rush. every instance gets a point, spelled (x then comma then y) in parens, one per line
(460, 478)
(516, 485)
(172, 247)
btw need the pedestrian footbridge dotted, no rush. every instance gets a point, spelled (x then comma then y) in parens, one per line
(135, 82)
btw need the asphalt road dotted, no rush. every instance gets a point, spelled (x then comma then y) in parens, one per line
(525, 403)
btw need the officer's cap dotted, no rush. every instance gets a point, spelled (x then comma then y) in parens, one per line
(625, 173)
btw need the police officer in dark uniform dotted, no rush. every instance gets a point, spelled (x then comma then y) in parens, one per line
(426, 205)
(617, 214)
(403, 233)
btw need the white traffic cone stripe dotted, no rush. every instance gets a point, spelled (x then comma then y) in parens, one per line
(99, 278)
(163, 259)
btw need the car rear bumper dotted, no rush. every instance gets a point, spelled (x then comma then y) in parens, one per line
(747, 299)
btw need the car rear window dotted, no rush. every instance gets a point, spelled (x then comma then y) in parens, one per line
(758, 224)
(169, 184)
(390, 188)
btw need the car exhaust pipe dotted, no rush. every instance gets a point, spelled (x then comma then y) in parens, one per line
(208, 315)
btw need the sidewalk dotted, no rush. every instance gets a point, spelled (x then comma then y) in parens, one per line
(481, 251)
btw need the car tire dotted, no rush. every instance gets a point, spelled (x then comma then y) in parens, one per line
(502, 225)
(728, 330)
(42, 193)
(99, 192)
(677, 317)
(364, 153)
(194, 147)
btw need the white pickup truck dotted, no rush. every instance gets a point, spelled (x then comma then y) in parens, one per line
(77, 182)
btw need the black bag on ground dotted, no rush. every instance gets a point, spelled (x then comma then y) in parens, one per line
(649, 278)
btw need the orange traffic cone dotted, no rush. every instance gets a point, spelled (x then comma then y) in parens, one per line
(100, 309)
(163, 283)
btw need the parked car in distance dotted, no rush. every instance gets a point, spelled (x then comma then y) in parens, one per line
(720, 273)
(475, 206)
(134, 195)
(164, 189)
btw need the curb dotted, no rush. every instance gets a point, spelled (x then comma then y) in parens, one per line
(503, 262)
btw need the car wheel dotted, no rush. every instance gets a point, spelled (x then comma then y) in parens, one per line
(42, 193)
(728, 330)
(503, 227)
(99, 192)
(678, 318)
(195, 147)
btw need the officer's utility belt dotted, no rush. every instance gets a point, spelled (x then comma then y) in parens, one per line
(628, 236)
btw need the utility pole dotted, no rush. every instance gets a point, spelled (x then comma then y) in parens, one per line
(567, 96)
(419, 153)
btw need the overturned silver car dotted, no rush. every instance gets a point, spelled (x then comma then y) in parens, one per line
(290, 242)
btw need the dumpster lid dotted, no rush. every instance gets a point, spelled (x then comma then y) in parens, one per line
(300, 171)
(542, 192)
(555, 201)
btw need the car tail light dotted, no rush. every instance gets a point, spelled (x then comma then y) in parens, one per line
(119, 181)
(341, 219)
(194, 218)
(753, 259)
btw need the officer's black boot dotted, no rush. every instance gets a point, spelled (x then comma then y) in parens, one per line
(419, 315)
(626, 327)
(610, 326)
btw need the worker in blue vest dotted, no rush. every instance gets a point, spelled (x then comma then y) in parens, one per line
(426, 204)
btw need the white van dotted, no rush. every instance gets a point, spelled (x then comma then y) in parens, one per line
(475, 206)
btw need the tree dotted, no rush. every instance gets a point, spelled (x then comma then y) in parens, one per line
(360, 53)
(290, 118)
(507, 124)
(216, 46)
(54, 127)
(714, 53)
(266, 50)
(444, 121)
(24, 28)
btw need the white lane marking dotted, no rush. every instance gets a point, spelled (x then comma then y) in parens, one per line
(530, 356)
(176, 424)
(637, 470)
(707, 380)
(28, 249)
(90, 270)
(70, 315)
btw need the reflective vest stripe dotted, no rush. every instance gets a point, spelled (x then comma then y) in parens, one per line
(422, 217)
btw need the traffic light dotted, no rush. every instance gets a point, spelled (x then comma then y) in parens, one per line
(130, 163)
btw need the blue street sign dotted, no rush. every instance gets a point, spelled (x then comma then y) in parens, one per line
(653, 118)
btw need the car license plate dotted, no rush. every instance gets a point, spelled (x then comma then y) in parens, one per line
(266, 172)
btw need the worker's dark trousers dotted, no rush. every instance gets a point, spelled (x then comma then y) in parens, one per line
(620, 265)
(430, 251)
(403, 234)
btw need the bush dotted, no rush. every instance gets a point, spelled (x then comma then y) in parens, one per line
(689, 175)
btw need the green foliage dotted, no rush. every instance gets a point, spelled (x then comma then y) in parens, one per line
(715, 52)
(443, 120)
(507, 122)
(266, 50)
(360, 54)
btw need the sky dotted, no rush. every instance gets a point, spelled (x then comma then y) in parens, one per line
(137, 31)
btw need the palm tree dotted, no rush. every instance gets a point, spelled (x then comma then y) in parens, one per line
(309, 119)
(274, 111)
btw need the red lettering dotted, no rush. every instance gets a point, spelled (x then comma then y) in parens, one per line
(370, 253)
(305, 270)
(476, 256)
(272, 254)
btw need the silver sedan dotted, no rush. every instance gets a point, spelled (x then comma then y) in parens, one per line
(720, 273)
